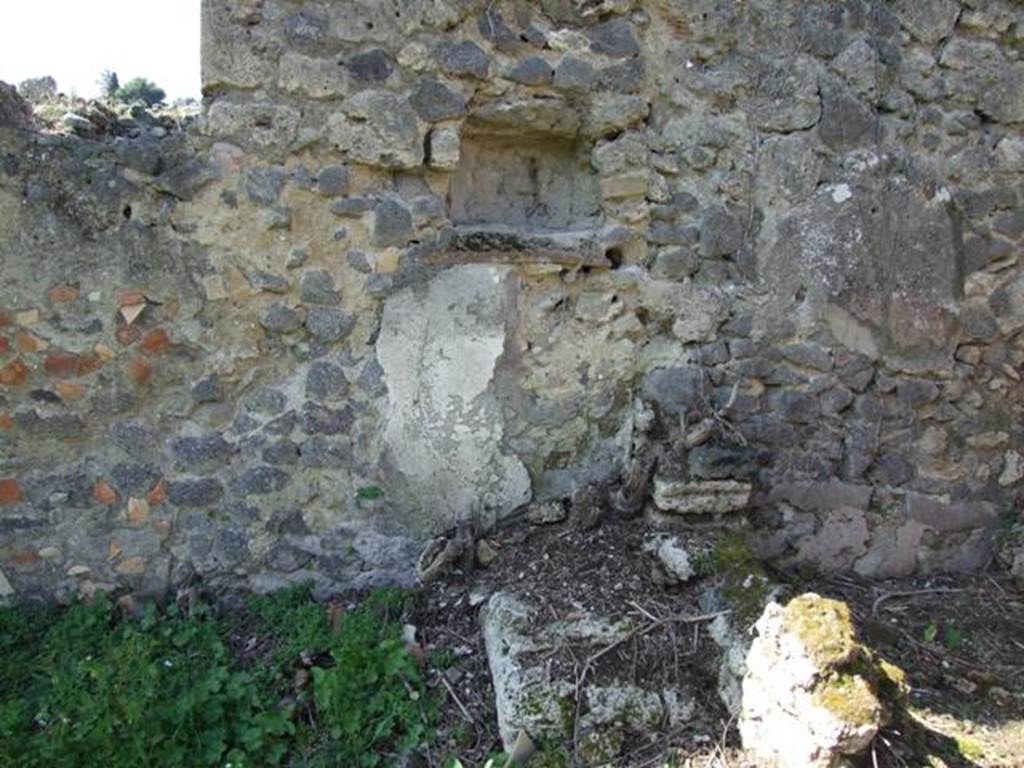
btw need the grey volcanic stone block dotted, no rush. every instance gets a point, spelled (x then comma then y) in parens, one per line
(200, 453)
(306, 31)
(326, 380)
(465, 58)
(281, 318)
(371, 67)
(392, 224)
(264, 185)
(532, 71)
(613, 38)
(317, 287)
(195, 492)
(332, 180)
(573, 73)
(260, 481)
(208, 390)
(134, 479)
(329, 324)
(321, 420)
(721, 233)
(434, 101)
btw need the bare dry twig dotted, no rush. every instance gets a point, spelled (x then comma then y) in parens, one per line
(912, 593)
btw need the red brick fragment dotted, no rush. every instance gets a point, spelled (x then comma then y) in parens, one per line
(14, 373)
(5, 345)
(27, 342)
(155, 342)
(138, 370)
(5, 318)
(70, 390)
(127, 335)
(130, 298)
(158, 495)
(6, 422)
(88, 363)
(61, 364)
(63, 294)
(10, 492)
(24, 557)
(104, 492)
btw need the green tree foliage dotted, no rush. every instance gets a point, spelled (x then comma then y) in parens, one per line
(109, 84)
(140, 89)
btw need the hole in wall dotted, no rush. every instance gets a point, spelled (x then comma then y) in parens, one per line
(127, 213)
(530, 180)
(614, 256)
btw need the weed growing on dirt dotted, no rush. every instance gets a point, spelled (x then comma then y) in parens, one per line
(88, 687)
(83, 688)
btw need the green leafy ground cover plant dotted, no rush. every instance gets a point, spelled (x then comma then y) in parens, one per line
(86, 686)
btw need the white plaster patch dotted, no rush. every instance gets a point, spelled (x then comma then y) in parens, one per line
(439, 348)
(841, 193)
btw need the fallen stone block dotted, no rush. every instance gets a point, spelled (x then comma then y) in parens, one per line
(532, 697)
(813, 695)
(711, 497)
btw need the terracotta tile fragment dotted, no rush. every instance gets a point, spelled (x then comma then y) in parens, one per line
(14, 373)
(6, 422)
(24, 557)
(138, 370)
(158, 494)
(5, 318)
(10, 492)
(155, 342)
(5, 345)
(104, 492)
(128, 298)
(88, 363)
(28, 342)
(63, 294)
(70, 390)
(62, 364)
(127, 335)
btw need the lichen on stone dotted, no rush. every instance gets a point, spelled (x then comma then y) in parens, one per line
(850, 698)
(745, 584)
(825, 627)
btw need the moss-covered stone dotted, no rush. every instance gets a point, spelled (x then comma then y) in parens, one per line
(892, 684)
(745, 583)
(850, 698)
(601, 747)
(826, 629)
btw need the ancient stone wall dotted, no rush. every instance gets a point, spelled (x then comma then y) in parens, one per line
(421, 263)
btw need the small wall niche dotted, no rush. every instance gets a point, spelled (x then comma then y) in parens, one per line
(533, 181)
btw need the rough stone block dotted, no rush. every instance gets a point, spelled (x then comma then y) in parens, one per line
(378, 128)
(710, 497)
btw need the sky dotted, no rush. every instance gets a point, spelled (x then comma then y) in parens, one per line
(74, 40)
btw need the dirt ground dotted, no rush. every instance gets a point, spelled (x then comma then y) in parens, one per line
(960, 640)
